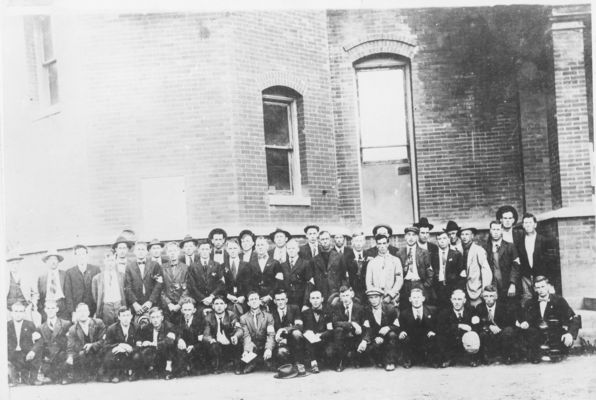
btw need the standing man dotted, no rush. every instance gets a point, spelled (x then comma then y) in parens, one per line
(296, 271)
(311, 248)
(205, 278)
(108, 291)
(384, 273)
(17, 289)
(122, 247)
(175, 275)
(78, 281)
(267, 272)
(357, 267)
(507, 215)
(258, 333)
(189, 254)
(386, 231)
(476, 267)
(448, 266)
(424, 228)
(240, 279)
(23, 362)
(223, 336)
(328, 270)
(122, 359)
(339, 242)
(50, 285)
(156, 251)
(452, 230)
(417, 268)
(142, 282)
(247, 243)
(504, 262)
(218, 238)
(279, 237)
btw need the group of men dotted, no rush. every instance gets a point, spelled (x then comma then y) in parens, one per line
(198, 306)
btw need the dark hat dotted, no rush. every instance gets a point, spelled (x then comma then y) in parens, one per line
(51, 253)
(186, 239)
(503, 209)
(13, 256)
(307, 227)
(468, 228)
(376, 228)
(154, 242)
(247, 232)
(451, 226)
(80, 246)
(374, 292)
(217, 231)
(412, 229)
(278, 230)
(122, 239)
(423, 223)
(286, 371)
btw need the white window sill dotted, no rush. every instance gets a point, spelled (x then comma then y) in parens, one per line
(281, 200)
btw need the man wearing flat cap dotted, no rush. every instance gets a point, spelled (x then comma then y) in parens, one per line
(279, 237)
(218, 238)
(311, 248)
(417, 268)
(385, 230)
(78, 281)
(476, 267)
(50, 285)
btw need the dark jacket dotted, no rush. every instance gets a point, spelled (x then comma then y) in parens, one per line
(505, 315)
(447, 322)
(508, 266)
(340, 319)
(295, 280)
(290, 318)
(230, 326)
(165, 329)
(543, 259)
(115, 336)
(205, 281)
(328, 277)
(77, 287)
(311, 323)
(372, 327)
(42, 286)
(142, 289)
(557, 309)
(422, 263)
(305, 252)
(190, 334)
(76, 337)
(453, 269)
(25, 339)
(53, 341)
(266, 281)
(417, 330)
(243, 282)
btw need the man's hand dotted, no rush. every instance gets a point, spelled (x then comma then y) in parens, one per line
(126, 347)
(464, 327)
(384, 330)
(524, 325)
(494, 329)
(172, 307)
(463, 274)
(241, 299)
(116, 349)
(146, 343)
(137, 307)
(361, 347)
(567, 339)
(69, 360)
(208, 300)
(147, 305)
(267, 354)
(357, 328)
(430, 334)
(189, 348)
(379, 340)
(234, 340)
(265, 299)
(403, 335)
(511, 291)
(87, 347)
(232, 298)
(181, 344)
(30, 356)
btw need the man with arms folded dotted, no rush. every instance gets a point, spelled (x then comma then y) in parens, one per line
(384, 273)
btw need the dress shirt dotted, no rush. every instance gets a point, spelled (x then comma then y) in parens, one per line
(85, 327)
(263, 262)
(218, 256)
(530, 243)
(491, 313)
(17, 328)
(443, 257)
(542, 303)
(112, 287)
(280, 254)
(314, 249)
(54, 275)
(413, 269)
(417, 313)
(349, 311)
(52, 323)
(377, 313)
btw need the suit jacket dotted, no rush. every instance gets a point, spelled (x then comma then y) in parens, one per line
(295, 280)
(310, 323)
(328, 278)
(165, 329)
(230, 326)
(25, 338)
(291, 319)
(372, 327)
(205, 281)
(453, 269)
(98, 290)
(77, 287)
(305, 252)
(447, 322)
(42, 287)
(543, 263)
(115, 336)
(252, 258)
(266, 282)
(417, 330)
(373, 251)
(261, 334)
(425, 271)
(174, 282)
(431, 248)
(357, 272)
(226, 256)
(505, 315)
(76, 336)
(243, 282)
(142, 289)
(347, 252)
(190, 334)
(340, 319)
(556, 308)
(478, 271)
(508, 266)
(54, 341)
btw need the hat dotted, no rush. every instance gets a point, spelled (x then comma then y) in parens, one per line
(376, 228)
(13, 256)
(412, 229)
(51, 253)
(80, 246)
(451, 226)
(186, 239)
(217, 231)
(307, 227)
(423, 223)
(471, 342)
(278, 230)
(154, 242)
(468, 228)
(247, 232)
(121, 239)
(286, 371)
(503, 209)
(374, 292)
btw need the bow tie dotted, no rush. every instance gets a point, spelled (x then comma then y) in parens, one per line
(543, 300)
(218, 251)
(141, 261)
(317, 311)
(262, 256)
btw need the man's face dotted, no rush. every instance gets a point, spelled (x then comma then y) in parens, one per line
(325, 240)
(417, 299)
(507, 220)
(204, 251)
(541, 288)
(443, 240)
(496, 232)
(261, 247)
(81, 256)
(346, 297)
(374, 300)
(13, 265)
(424, 235)
(173, 252)
(490, 298)
(358, 243)
(121, 250)
(218, 241)
(466, 236)
(411, 238)
(246, 242)
(312, 235)
(188, 309)
(18, 313)
(280, 239)
(141, 251)
(382, 246)
(109, 262)
(281, 301)
(458, 299)
(219, 306)
(189, 248)
(316, 299)
(254, 302)
(383, 231)
(339, 240)
(125, 317)
(529, 225)
(52, 262)
(452, 237)
(292, 249)
(155, 251)
(51, 310)
(83, 314)
(156, 319)
(233, 249)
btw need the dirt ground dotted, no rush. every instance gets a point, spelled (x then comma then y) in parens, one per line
(574, 378)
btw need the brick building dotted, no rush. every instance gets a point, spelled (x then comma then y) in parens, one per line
(170, 123)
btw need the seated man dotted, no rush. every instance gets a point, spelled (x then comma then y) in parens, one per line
(318, 331)
(287, 322)
(380, 333)
(223, 335)
(549, 324)
(497, 327)
(157, 340)
(84, 346)
(122, 358)
(258, 334)
(417, 332)
(51, 348)
(23, 361)
(453, 323)
(347, 320)
(191, 353)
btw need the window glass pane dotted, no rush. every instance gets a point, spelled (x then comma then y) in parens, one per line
(381, 96)
(53, 81)
(277, 131)
(385, 154)
(278, 169)
(46, 37)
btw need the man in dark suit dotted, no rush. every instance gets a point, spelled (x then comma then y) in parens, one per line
(84, 346)
(356, 264)
(347, 321)
(50, 285)
(535, 256)
(452, 324)
(122, 358)
(380, 331)
(288, 325)
(218, 238)
(549, 321)
(498, 333)
(417, 268)
(175, 276)
(504, 262)
(318, 331)
(311, 247)
(155, 248)
(142, 281)
(191, 351)
(223, 336)
(189, 254)
(51, 348)
(267, 272)
(206, 278)
(447, 265)
(258, 334)
(240, 279)
(23, 361)
(424, 228)
(157, 341)
(339, 243)
(328, 270)
(279, 237)
(78, 282)
(247, 244)
(381, 230)
(418, 332)
(296, 271)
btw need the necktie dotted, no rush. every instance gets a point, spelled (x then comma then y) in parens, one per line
(349, 314)
(409, 261)
(53, 286)
(219, 326)
(417, 315)
(314, 250)
(254, 317)
(282, 315)
(443, 258)
(51, 324)
(491, 314)
(188, 323)
(234, 268)
(292, 262)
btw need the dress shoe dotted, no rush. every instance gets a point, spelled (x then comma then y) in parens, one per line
(315, 369)
(407, 364)
(340, 367)
(168, 376)
(389, 367)
(115, 379)
(445, 364)
(249, 368)
(473, 363)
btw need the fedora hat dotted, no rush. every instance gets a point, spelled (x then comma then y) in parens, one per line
(13, 256)
(122, 239)
(471, 342)
(468, 228)
(186, 239)
(423, 223)
(154, 242)
(376, 228)
(286, 371)
(279, 230)
(80, 246)
(51, 253)
(451, 226)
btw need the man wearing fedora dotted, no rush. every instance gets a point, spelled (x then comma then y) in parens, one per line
(385, 230)
(108, 290)
(206, 278)
(247, 244)
(452, 230)
(142, 282)
(380, 330)
(318, 331)
(155, 248)
(347, 323)
(218, 238)
(416, 265)
(328, 270)
(311, 247)
(296, 271)
(424, 228)
(447, 265)
(279, 237)
(258, 334)
(50, 285)
(175, 275)
(78, 281)
(507, 215)
(476, 269)
(122, 247)
(189, 254)
(384, 273)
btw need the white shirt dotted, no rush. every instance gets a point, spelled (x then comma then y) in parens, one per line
(508, 235)
(263, 262)
(142, 268)
(82, 268)
(55, 274)
(491, 312)
(85, 327)
(155, 335)
(246, 256)
(413, 270)
(443, 253)
(417, 313)
(121, 265)
(542, 305)
(280, 254)
(282, 313)
(359, 255)
(423, 245)
(530, 242)
(378, 314)
(52, 322)
(314, 249)
(125, 331)
(17, 328)
(218, 257)
(112, 291)
(349, 311)
(496, 245)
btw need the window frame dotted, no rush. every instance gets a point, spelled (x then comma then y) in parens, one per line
(43, 65)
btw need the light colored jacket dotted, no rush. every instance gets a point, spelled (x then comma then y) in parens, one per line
(478, 271)
(385, 273)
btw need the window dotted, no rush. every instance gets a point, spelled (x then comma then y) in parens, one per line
(47, 62)
(280, 120)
